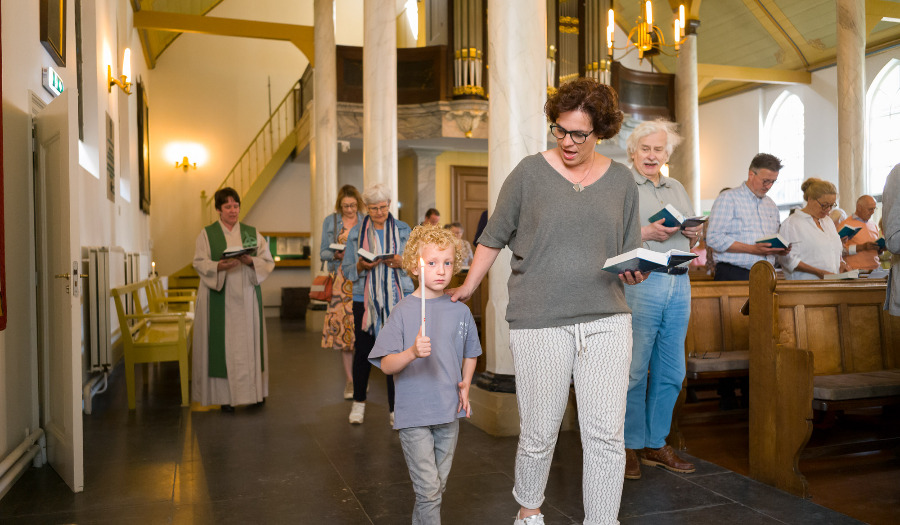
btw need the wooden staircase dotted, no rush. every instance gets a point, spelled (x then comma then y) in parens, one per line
(275, 142)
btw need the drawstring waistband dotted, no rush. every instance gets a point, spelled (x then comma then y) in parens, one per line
(579, 338)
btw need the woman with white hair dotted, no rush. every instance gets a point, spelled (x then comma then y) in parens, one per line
(660, 308)
(377, 286)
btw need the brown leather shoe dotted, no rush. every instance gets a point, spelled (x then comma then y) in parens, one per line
(666, 458)
(632, 465)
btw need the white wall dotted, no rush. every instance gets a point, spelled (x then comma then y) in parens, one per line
(730, 128)
(213, 91)
(102, 222)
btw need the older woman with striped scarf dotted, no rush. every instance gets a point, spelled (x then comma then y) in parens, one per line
(377, 286)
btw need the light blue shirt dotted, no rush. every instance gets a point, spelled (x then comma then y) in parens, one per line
(738, 215)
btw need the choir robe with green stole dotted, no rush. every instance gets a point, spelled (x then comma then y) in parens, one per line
(230, 362)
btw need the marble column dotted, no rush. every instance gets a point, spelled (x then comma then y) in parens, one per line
(426, 160)
(516, 128)
(323, 157)
(380, 96)
(851, 72)
(686, 158)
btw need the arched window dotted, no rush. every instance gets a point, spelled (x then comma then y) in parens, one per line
(883, 119)
(784, 137)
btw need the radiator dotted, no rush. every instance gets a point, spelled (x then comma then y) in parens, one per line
(132, 275)
(97, 325)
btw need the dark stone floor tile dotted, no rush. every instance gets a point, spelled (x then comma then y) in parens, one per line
(732, 514)
(118, 515)
(274, 510)
(659, 490)
(770, 501)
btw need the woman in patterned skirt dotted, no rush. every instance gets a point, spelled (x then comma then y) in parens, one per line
(337, 333)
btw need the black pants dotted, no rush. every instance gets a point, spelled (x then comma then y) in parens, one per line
(361, 366)
(730, 272)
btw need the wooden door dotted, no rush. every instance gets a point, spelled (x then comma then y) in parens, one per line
(58, 260)
(469, 200)
(469, 197)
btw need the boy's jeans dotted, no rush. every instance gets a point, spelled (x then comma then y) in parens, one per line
(429, 453)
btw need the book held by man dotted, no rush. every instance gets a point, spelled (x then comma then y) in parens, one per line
(372, 257)
(675, 218)
(774, 241)
(848, 231)
(881, 243)
(644, 260)
(336, 246)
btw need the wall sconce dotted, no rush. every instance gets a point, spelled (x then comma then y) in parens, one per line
(122, 81)
(185, 164)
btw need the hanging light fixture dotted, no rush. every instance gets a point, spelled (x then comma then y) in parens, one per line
(646, 37)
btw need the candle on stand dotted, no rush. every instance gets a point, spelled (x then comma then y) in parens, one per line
(422, 288)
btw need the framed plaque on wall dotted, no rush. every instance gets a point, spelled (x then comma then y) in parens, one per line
(143, 123)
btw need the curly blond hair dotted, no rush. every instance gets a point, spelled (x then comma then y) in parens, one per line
(427, 234)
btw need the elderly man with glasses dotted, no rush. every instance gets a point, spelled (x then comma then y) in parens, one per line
(742, 215)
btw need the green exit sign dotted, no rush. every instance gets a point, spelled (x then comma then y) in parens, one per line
(52, 81)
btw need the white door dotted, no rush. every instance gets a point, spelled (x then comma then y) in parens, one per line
(59, 286)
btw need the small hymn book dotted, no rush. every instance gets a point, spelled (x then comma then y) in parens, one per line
(774, 241)
(674, 218)
(848, 231)
(644, 260)
(371, 257)
(336, 246)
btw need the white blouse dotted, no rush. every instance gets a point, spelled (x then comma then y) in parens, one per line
(815, 247)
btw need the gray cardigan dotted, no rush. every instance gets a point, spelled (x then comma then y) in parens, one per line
(560, 239)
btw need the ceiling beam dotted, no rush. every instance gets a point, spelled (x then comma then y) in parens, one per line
(878, 9)
(300, 36)
(773, 20)
(706, 73)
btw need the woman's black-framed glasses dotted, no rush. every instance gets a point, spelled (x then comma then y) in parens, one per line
(578, 137)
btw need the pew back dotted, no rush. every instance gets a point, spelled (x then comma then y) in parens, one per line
(799, 330)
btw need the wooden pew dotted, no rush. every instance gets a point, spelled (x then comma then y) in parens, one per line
(149, 337)
(163, 301)
(804, 335)
(716, 346)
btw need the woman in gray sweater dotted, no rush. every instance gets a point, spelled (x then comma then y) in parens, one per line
(563, 212)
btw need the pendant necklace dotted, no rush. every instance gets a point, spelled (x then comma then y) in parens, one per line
(577, 186)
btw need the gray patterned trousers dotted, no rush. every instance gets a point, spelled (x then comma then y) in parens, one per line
(598, 355)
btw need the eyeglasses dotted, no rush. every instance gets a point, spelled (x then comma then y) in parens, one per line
(378, 209)
(826, 207)
(578, 137)
(765, 182)
(348, 206)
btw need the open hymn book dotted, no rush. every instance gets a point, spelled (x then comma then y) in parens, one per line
(372, 257)
(644, 260)
(674, 218)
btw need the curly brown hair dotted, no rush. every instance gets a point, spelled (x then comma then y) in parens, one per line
(427, 234)
(599, 101)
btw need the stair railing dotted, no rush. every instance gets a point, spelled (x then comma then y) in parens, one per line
(281, 123)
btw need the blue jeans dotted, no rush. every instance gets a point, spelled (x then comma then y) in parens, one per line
(429, 453)
(660, 310)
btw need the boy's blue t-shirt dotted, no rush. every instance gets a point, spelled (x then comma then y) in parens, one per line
(427, 391)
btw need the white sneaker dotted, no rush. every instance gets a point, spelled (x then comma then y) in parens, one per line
(348, 390)
(357, 413)
(537, 519)
(392, 419)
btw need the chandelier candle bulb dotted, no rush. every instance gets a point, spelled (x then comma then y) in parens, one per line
(422, 288)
